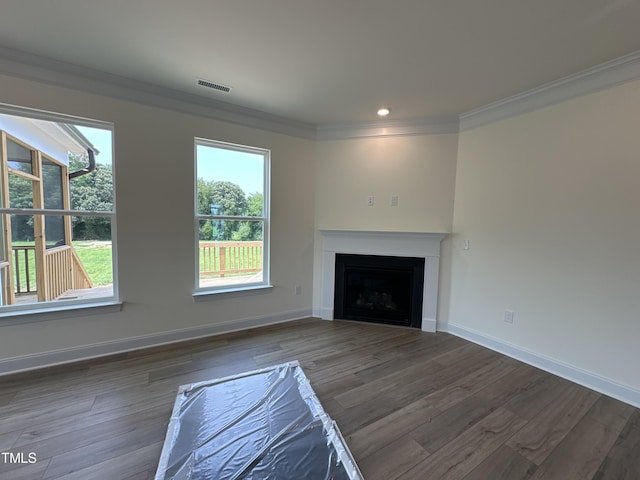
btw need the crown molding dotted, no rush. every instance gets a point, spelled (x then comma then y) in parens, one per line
(614, 72)
(46, 70)
(427, 126)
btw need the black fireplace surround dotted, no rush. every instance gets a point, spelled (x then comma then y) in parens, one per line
(380, 289)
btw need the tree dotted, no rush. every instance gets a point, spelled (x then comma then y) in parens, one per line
(255, 209)
(230, 197)
(220, 198)
(93, 191)
(205, 193)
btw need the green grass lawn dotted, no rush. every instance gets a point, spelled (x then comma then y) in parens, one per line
(96, 258)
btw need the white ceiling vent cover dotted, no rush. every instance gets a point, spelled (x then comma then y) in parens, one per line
(214, 85)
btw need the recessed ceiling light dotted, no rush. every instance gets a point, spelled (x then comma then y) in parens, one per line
(383, 112)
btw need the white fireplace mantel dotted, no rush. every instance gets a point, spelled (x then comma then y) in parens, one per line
(399, 244)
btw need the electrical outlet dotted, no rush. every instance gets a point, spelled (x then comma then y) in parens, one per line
(370, 200)
(508, 316)
(394, 200)
(297, 289)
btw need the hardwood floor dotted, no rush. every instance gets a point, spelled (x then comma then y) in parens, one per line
(411, 405)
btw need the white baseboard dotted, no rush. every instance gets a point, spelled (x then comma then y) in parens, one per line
(429, 325)
(595, 382)
(85, 352)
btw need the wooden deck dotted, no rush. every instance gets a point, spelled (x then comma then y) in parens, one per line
(411, 405)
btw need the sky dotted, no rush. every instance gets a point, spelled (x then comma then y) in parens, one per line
(242, 168)
(101, 139)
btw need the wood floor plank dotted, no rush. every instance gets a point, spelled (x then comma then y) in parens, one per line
(623, 460)
(469, 449)
(393, 461)
(451, 423)
(131, 464)
(581, 452)
(8, 439)
(105, 448)
(506, 464)
(422, 370)
(377, 435)
(75, 436)
(33, 471)
(544, 432)
(24, 416)
(470, 384)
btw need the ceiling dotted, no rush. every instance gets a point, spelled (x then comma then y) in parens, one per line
(330, 62)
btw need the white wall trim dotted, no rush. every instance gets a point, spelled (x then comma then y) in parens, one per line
(587, 379)
(427, 126)
(85, 352)
(605, 75)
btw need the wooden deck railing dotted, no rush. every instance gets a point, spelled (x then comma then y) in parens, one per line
(223, 258)
(64, 272)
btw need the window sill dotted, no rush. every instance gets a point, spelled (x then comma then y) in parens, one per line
(239, 291)
(18, 317)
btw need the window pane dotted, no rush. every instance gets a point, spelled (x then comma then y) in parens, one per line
(230, 261)
(93, 191)
(96, 254)
(52, 185)
(91, 228)
(54, 231)
(19, 157)
(20, 192)
(229, 182)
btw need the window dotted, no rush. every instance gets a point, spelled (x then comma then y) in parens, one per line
(232, 216)
(56, 211)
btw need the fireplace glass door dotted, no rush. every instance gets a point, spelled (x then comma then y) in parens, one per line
(379, 289)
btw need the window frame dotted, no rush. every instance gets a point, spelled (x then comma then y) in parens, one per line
(265, 283)
(53, 308)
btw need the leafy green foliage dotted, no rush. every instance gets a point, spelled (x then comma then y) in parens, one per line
(21, 196)
(228, 199)
(93, 191)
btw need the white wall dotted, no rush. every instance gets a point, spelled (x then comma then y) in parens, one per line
(154, 178)
(550, 202)
(419, 169)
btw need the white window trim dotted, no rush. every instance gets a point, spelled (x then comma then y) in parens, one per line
(231, 289)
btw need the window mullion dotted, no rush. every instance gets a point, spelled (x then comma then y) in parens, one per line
(39, 230)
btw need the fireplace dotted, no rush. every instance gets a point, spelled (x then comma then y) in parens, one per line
(380, 289)
(421, 245)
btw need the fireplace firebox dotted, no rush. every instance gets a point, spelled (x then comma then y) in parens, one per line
(380, 289)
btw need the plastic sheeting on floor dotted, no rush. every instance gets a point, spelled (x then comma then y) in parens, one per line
(263, 424)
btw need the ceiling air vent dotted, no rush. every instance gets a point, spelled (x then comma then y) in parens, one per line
(215, 86)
